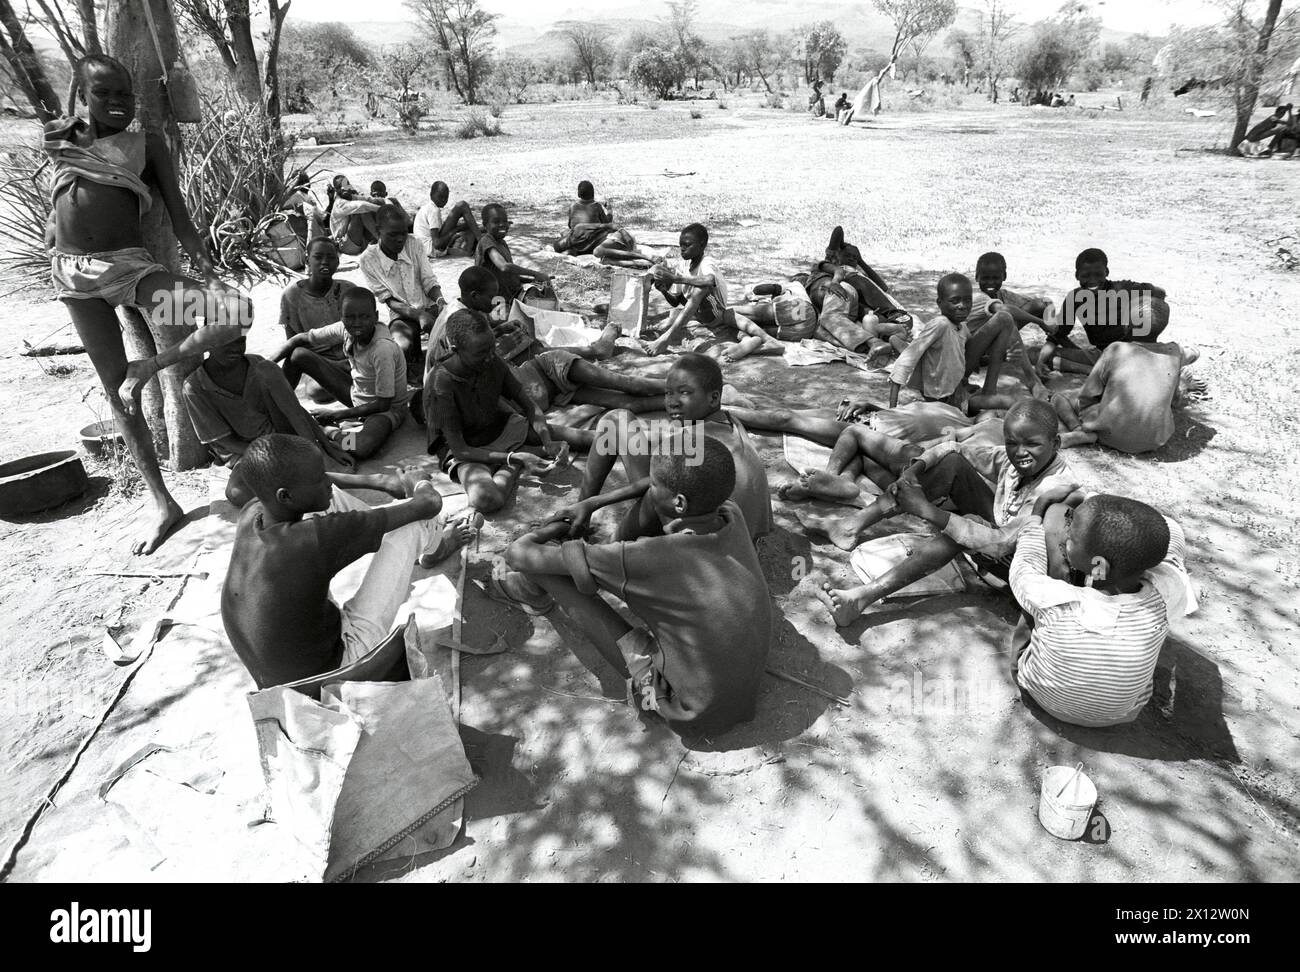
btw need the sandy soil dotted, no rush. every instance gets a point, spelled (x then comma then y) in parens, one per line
(931, 772)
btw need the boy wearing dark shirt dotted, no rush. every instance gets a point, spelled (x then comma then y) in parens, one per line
(275, 603)
(696, 586)
(1109, 311)
(493, 252)
(482, 446)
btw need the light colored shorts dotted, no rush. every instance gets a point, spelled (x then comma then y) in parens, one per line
(549, 370)
(111, 277)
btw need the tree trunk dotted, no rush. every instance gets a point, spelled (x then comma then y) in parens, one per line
(247, 82)
(89, 28)
(28, 71)
(271, 75)
(1250, 90)
(130, 41)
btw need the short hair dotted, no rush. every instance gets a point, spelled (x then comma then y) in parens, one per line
(491, 208)
(327, 240)
(299, 178)
(707, 479)
(361, 293)
(473, 279)
(435, 187)
(390, 214)
(276, 460)
(338, 180)
(464, 324)
(83, 67)
(991, 259)
(1091, 255)
(1132, 536)
(1037, 413)
(377, 188)
(697, 230)
(703, 368)
(586, 191)
(950, 279)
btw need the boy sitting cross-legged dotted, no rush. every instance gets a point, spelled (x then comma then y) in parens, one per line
(379, 394)
(693, 400)
(276, 605)
(986, 519)
(482, 445)
(694, 582)
(694, 285)
(944, 353)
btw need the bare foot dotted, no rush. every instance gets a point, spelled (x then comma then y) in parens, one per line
(831, 527)
(654, 348)
(456, 533)
(169, 514)
(137, 374)
(845, 606)
(793, 492)
(730, 396)
(603, 346)
(820, 483)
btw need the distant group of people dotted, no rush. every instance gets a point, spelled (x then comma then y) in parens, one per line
(1098, 577)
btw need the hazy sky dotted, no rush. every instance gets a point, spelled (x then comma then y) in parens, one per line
(1153, 16)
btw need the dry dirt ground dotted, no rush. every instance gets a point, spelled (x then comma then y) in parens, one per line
(931, 771)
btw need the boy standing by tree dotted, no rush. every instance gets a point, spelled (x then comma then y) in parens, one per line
(103, 173)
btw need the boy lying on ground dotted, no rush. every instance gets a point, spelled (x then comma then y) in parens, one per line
(276, 605)
(692, 579)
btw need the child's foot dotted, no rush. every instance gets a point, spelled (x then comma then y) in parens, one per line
(603, 347)
(137, 374)
(831, 527)
(876, 353)
(513, 588)
(456, 533)
(730, 396)
(845, 606)
(654, 348)
(168, 516)
(821, 484)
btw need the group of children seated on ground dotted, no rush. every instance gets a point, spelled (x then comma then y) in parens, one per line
(1098, 577)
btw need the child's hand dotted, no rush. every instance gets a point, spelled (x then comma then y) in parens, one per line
(550, 532)
(575, 519)
(911, 498)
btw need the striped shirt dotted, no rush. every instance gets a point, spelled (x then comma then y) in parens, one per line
(1091, 656)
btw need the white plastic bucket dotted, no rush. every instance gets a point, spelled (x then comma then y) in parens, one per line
(1066, 816)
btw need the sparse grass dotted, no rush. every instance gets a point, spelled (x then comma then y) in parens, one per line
(653, 105)
(775, 101)
(722, 105)
(496, 109)
(696, 114)
(477, 124)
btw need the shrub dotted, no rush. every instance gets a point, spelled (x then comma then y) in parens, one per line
(476, 123)
(496, 109)
(696, 114)
(774, 100)
(722, 105)
(652, 104)
(24, 210)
